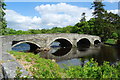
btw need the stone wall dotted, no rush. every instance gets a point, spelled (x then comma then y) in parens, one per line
(44, 40)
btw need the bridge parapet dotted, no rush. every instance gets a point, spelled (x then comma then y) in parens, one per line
(44, 40)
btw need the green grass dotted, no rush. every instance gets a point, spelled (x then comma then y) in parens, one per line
(40, 67)
(111, 41)
(45, 68)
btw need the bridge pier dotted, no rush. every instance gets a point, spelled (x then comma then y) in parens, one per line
(33, 47)
(44, 40)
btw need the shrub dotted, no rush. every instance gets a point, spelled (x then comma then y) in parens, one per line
(45, 68)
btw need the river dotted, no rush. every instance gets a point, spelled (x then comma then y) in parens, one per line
(77, 56)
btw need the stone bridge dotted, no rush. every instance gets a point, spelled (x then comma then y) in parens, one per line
(38, 41)
(45, 40)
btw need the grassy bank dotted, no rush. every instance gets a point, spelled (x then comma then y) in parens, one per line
(46, 68)
(111, 41)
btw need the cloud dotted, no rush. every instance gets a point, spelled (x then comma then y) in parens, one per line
(114, 11)
(20, 22)
(111, 1)
(61, 14)
(54, 15)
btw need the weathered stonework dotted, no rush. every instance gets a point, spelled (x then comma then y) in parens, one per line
(44, 40)
(40, 40)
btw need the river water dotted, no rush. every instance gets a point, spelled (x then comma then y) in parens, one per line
(77, 56)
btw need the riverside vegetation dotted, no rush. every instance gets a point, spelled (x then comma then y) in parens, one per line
(45, 68)
(104, 24)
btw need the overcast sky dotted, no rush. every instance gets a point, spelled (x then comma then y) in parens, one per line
(23, 15)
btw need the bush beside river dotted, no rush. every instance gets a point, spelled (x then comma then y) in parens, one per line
(46, 68)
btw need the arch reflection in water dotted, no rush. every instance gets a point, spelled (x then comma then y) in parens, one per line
(21, 47)
(25, 47)
(97, 43)
(62, 51)
(83, 44)
(60, 47)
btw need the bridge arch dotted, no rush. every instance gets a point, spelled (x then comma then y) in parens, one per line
(64, 42)
(33, 46)
(97, 42)
(64, 46)
(83, 44)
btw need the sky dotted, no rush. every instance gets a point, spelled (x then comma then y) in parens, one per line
(24, 15)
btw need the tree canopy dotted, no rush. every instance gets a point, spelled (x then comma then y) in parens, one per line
(3, 23)
(104, 24)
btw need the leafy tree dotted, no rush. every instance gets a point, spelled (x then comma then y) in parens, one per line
(91, 24)
(85, 27)
(114, 19)
(98, 9)
(33, 31)
(3, 23)
(98, 15)
(68, 29)
(55, 30)
(44, 30)
(10, 31)
(83, 17)
(101, 28)
(74, 29)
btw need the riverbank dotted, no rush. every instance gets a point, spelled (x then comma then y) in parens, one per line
(112, 42)
(45, 68)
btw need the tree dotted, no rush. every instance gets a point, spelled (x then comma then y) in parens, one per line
(83, 17)
(114, 20)
(3, 23)
(98, 9)
(10, 31)
(84, 27)
(98, 15)
(101, 28)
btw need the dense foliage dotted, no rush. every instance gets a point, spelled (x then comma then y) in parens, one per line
(46, 68)
(38, 67)
(104, 24)
(92, 70)
(3, 23)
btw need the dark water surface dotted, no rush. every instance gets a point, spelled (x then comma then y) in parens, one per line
(71, 56)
